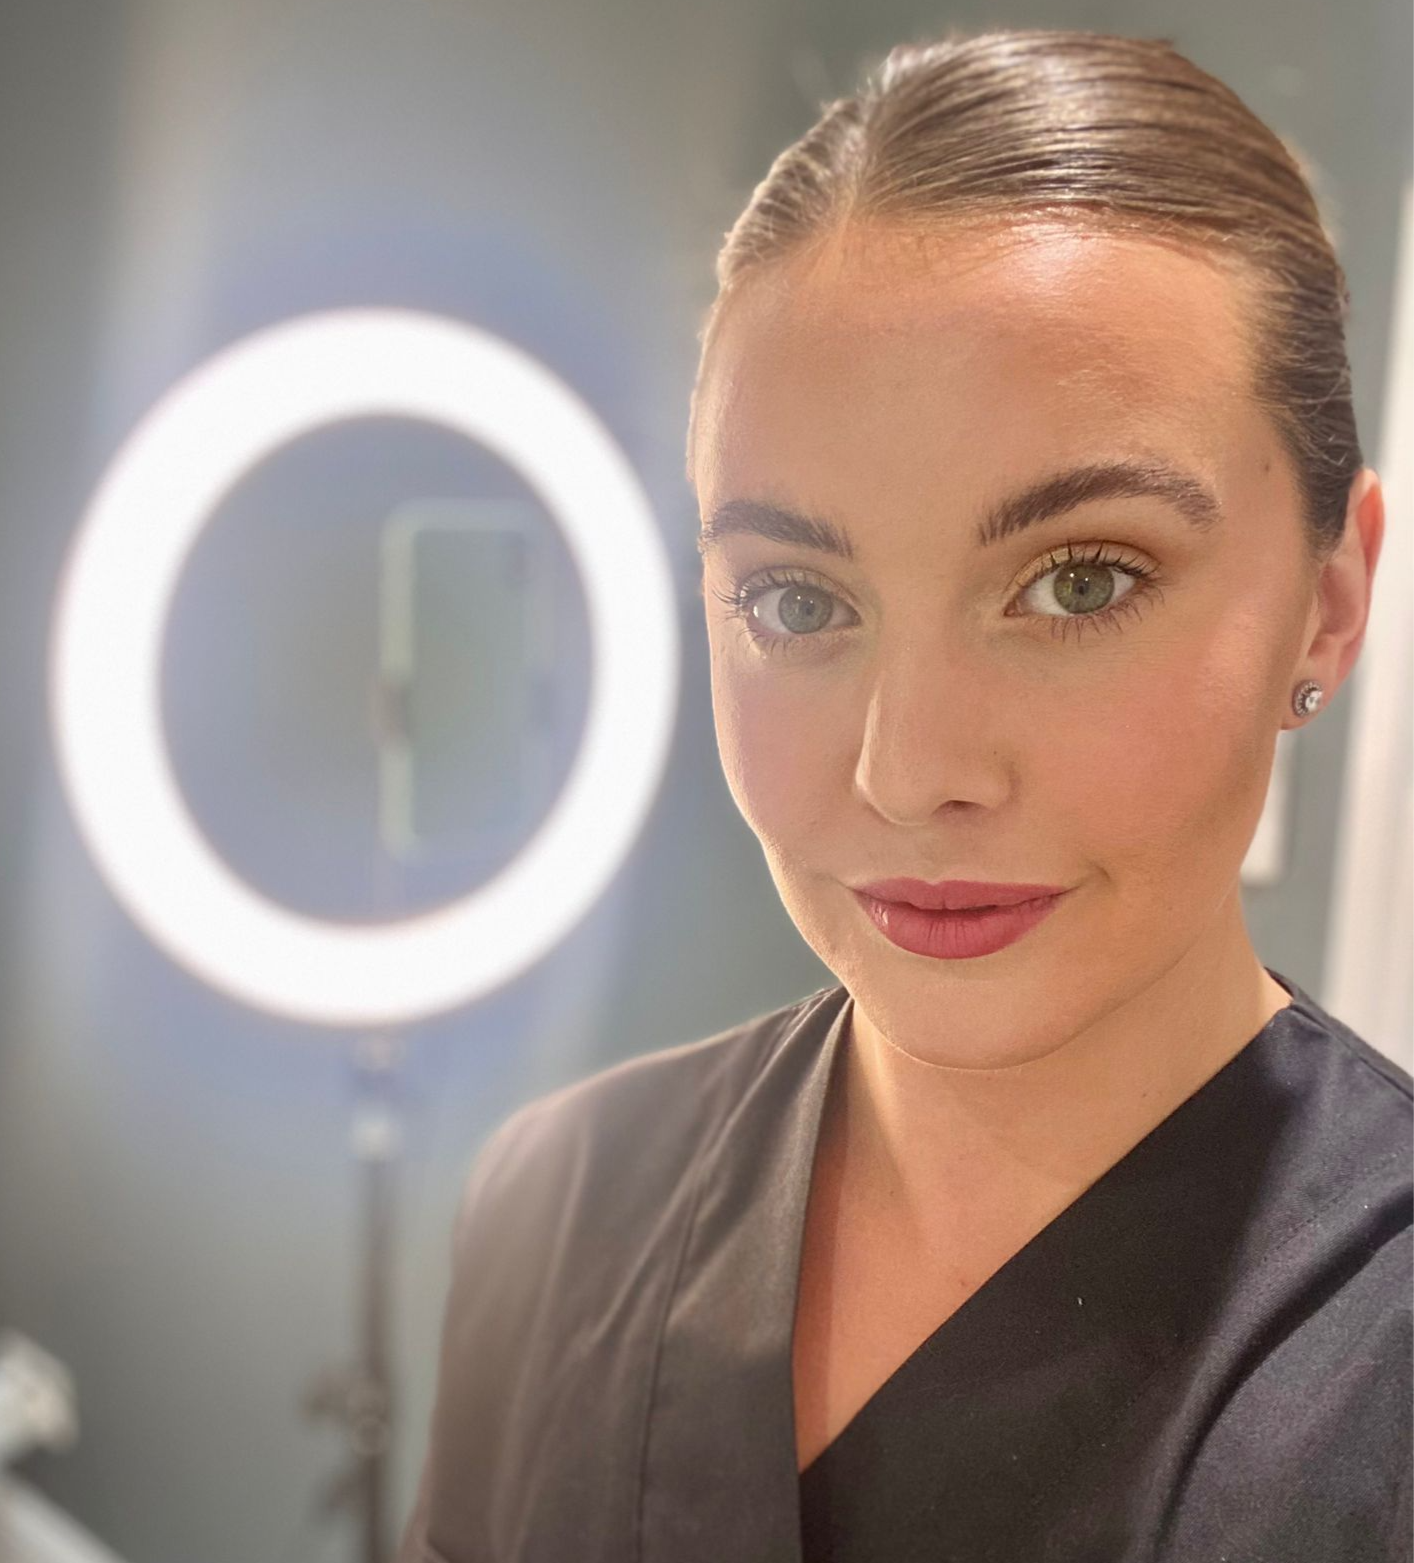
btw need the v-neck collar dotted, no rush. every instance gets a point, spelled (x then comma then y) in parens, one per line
(1108, 1284)
(719, 1475)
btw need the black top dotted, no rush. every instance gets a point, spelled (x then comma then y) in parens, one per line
(1206, 1356)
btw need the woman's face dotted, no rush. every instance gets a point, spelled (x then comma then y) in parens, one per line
(942, 706)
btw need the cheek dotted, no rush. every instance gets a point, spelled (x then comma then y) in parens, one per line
(1169, 765)
(775, 748)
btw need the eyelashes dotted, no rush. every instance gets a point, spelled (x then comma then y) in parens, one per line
(1143, 578)
(743, 597)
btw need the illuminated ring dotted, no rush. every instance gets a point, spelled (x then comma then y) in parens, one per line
(117, 590)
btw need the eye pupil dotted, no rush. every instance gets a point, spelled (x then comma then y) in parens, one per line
(1084, 587)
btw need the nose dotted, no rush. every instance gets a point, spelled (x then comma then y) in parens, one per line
(934, 737)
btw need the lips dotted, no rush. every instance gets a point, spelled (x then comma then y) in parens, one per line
(959, 933)
(955, 895)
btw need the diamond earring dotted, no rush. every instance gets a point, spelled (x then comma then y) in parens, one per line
(1307, 699)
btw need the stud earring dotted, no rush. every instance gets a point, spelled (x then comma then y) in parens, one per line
(1307, 699)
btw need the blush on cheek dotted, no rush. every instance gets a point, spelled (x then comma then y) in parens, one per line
(761, 757)
(1174, 781)
(773, 793)
(774, 741)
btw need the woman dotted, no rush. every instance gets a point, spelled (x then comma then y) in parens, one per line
(1032, 510)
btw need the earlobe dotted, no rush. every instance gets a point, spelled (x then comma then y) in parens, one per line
(1307, 698)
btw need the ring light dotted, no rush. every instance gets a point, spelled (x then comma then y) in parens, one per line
(117, 589)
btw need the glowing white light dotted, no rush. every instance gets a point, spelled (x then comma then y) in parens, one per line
(113, 604)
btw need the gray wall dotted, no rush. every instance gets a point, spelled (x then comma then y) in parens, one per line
(177, 1214)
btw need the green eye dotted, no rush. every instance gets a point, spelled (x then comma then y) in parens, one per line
(1090, 586)
(803, 607)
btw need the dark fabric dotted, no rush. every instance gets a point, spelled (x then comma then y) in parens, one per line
(1206, 1356)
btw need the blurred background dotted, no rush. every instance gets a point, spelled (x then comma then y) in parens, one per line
(182, 1215)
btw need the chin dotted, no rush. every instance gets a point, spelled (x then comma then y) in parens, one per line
(991, 1020)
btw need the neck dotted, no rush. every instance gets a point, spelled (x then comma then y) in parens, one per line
(986, 1147)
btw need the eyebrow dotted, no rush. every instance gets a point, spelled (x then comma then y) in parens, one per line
(1039, 501)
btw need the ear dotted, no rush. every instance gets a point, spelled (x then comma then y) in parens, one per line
(1335, 628)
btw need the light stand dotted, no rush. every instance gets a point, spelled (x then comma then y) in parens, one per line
(360, 1398)
(112, 607)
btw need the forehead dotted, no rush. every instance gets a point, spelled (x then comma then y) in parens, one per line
(975, 350)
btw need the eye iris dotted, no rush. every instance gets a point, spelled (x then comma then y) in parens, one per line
(1084, 587)
(796, 611)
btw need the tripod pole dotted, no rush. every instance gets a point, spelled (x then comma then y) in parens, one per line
(375, 1144)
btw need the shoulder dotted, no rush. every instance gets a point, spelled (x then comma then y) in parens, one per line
(625, 1134)
(1340, 1160)
(565, 1250)
(1357, 1103)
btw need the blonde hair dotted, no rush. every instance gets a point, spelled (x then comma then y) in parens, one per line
(1124, 134)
